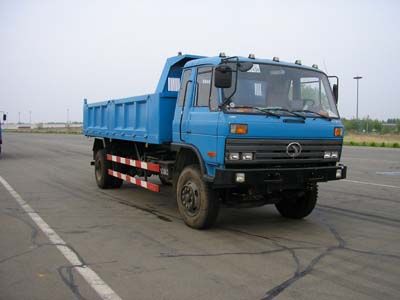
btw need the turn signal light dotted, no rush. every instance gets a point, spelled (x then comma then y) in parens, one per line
(239, 128)
(338, 131)
(212, 153)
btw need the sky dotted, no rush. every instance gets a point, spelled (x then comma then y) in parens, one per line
(53, 54)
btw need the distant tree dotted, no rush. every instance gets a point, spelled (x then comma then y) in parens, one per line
(377, 125)
(370, 125)
(385, 129)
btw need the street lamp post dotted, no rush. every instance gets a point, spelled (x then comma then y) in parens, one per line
(357, 78)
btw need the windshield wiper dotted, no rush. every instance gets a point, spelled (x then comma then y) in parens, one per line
(314, 112)
(286, 110)
(269, 113)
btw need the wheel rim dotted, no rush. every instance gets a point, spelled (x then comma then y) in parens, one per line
(190, 198)
(98, 169)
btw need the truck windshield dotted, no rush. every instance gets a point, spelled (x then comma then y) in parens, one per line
(281, 90)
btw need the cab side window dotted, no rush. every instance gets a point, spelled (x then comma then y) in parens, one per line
(206, 92)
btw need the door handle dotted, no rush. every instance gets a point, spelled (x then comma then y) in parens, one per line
(188, 131)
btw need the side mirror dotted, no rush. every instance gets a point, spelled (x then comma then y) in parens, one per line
(335, 87)
(4, 117)
(223, 77)
(335, 90)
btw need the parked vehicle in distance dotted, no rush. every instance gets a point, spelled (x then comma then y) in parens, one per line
(237, 131)
(4, 118)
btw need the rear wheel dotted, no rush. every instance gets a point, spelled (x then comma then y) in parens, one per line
(197, 202)
(300, 204)
(101, 166)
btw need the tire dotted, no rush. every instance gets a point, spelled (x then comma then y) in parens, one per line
(101, 166)
(298, 206)
(197, 202)
(117, 183)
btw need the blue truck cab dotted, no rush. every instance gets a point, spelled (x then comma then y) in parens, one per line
(234, 131)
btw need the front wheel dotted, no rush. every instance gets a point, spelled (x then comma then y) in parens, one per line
(297, 205)
(197, 202)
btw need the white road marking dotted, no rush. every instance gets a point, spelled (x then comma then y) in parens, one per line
(368, 159)
(388, 173)
(370, 183)
(103, 290)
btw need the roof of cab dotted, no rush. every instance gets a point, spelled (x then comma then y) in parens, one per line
(215, 60)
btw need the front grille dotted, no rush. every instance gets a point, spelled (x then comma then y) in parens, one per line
(274, 151)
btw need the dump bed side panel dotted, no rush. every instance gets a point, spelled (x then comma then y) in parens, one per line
(145, 118)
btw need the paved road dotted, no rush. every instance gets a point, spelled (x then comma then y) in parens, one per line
(134, 240)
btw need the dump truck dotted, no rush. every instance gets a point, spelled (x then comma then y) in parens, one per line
(223, 131)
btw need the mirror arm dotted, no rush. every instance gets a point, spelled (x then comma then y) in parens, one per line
(227, 59)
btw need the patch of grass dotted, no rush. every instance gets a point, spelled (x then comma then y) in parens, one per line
(373, 140)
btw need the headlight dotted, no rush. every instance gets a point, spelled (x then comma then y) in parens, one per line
(329, 154)
(233, 156)
(247, 156)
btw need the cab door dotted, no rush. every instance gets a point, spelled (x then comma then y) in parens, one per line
(202, 123)
(184, 103)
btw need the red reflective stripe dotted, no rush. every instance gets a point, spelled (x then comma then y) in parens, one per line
(144, 184)
(153, 167)
(135, 163)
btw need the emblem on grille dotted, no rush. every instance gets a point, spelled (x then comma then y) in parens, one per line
(293, 149)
